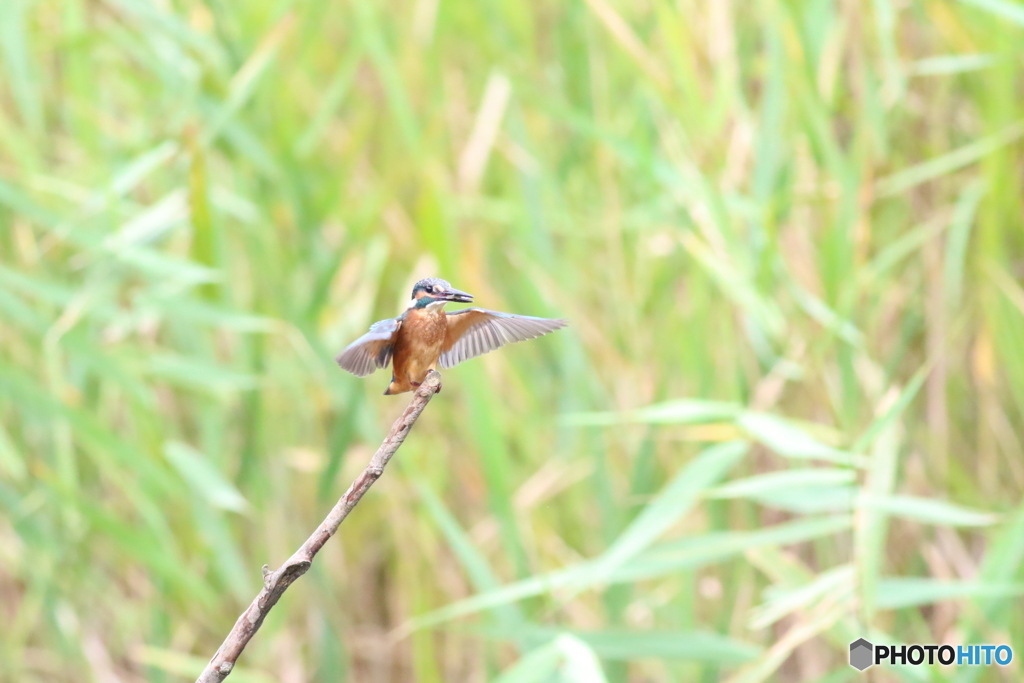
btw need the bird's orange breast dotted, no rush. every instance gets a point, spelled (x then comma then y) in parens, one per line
(424, 328)
(418, 346)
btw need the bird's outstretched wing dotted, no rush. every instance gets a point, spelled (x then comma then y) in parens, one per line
(474, 331)
(371, 351)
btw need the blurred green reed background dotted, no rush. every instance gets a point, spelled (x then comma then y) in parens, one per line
(787, 414)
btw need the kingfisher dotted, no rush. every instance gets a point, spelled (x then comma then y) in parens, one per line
(425, 335)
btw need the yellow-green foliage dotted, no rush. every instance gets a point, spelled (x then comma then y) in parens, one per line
(787, 413)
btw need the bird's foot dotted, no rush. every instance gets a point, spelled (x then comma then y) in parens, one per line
(417, 385)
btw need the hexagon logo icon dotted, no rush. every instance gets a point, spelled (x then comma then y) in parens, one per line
(861, 652)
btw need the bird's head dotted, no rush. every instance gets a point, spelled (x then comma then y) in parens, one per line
(433, 290)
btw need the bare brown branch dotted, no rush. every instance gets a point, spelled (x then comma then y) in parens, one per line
(275, 583)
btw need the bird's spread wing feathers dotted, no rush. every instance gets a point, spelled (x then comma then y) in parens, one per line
(475, 331)
(371, 351)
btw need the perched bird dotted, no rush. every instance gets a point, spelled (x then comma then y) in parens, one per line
(424, 335)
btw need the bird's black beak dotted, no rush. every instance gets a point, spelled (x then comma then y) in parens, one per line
(457, 295)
